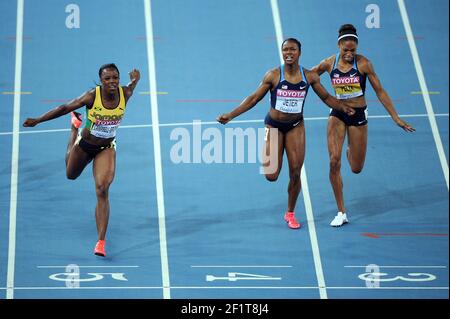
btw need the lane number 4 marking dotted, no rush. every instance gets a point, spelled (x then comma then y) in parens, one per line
(235, 276)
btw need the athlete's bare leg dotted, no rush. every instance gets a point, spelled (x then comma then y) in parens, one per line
(104, 169)
(273, 152)
(357, 147)
(336, 132)
(76, 158)
(295, 151)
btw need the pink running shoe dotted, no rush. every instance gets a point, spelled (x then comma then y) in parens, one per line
(100, 248)
(75, 118)
(289, 217)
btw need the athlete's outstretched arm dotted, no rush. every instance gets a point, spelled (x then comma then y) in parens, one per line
(86, 99)
(135, 76)
(383, 96)
(251, 100)
(324, 66)
(322, 93)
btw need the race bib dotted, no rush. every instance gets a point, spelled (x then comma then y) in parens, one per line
(105, 129)
(347, 87)
(290, 101)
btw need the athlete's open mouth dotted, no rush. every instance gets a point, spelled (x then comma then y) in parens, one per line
(289, 59)
(348, 57)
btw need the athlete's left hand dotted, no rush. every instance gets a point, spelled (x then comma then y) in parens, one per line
(135, 75)
(404, 125)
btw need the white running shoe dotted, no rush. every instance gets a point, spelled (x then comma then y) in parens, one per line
(339, 220)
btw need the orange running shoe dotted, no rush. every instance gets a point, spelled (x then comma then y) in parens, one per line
(289, 217)
(100, 248)
(75, 118)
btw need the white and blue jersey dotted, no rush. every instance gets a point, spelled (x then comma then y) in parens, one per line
(289, 97)
(347, 85)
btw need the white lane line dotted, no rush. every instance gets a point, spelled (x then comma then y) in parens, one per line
(97, 266)
(408, 266)
(304, 180)
(38, 131)
(424, 89)
(239, 266)
(157, 150)
(15, 155)
(216, 123)
(233, 287)
(277, 24)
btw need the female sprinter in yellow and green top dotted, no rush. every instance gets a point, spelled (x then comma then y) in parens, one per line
(288, 85)
(348, 72)
(105, 108)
